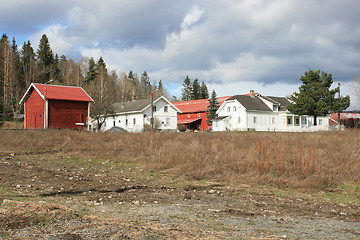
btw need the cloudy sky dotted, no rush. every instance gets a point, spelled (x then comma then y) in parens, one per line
(231, 45)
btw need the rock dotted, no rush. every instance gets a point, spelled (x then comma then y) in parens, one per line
(343, 205)
(18, 186)
(343, 214)
(136, 202)
(211, 191)
(6, 201)
(214, 210)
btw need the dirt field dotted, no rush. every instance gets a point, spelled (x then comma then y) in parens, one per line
(56, 194)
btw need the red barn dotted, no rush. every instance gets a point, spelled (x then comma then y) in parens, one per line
(51, 106)
(193, 113)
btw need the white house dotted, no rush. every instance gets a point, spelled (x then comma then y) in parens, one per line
(134, 115)
(263, 113)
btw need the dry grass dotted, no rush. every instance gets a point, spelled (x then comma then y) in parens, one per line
(282, 159)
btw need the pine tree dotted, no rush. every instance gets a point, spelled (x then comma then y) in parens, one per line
(131, 76)
(195, 90)
(91, 74)
(29, 63)
(315, 98)
(55, 70)
(16, 81)
(45, 60)
(145, 85)
(5, 59)
(160, 87)
(212, 108)
(186, 91)
(204, 93)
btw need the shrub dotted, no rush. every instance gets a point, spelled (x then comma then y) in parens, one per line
(182, 127)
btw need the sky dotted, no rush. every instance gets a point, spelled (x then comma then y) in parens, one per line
(234, 46)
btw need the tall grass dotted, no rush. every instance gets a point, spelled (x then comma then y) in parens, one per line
(283, 159)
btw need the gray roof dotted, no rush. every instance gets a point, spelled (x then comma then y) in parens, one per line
(132, 106)
(220, 118)
(284, 102)
(251, 103)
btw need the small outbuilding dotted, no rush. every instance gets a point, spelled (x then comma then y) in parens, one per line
(55, 106)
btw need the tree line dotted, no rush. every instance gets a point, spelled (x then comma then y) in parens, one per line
(21, 67)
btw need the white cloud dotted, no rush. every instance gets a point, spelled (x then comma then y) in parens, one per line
(192, 16)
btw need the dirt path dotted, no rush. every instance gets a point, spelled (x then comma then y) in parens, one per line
(50, 196)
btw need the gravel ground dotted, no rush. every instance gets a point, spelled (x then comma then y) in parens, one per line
(42, 200)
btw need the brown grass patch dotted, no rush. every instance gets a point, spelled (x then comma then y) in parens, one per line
(281, 159)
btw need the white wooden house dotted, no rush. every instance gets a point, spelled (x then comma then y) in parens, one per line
(263, 113)
(134, 115)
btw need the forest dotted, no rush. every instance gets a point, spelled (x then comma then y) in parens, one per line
(21, 66)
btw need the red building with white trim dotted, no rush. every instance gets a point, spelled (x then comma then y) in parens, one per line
(54, 106)
(193, 113)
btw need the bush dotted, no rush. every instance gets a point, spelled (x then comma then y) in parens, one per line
(351, 122)
(182, 127)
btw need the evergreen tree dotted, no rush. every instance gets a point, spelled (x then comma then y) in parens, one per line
(92, 73)
(16, 81)
(131, 76)
(101, 63)
(160, 87)
(45, 60)
(204, 93)
(145, 85)
(28, 63)
(315, 98)
(55, 70)
(195, 90)
(5, 58)
(212, 108)
(186, 91)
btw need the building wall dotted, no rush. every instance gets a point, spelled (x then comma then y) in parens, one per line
(203, 126)
(239, 119)
(34, 111)
(167, 120)
(67, 114)
(131, 122)
(134, 122)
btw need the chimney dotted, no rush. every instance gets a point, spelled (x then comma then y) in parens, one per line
(134, 97)
(252, 94)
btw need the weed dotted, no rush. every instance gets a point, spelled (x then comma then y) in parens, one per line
(315, 160)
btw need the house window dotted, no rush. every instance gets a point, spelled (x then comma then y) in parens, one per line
(154, 108)
(234, 108)
(119, 121)
(198, 114)
(216, 124)
(273, 120)
(167, 121)
(114, 123)
(126, 122)
(289, 121)
(228, 109)
(255, 119)
(165, 108)
(188, 115)
(320, 121)
(239, 120)
(297, 121)
(134, 121)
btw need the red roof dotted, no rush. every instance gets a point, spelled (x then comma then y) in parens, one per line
(61, 92)
(197, 105)
(187, 120)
